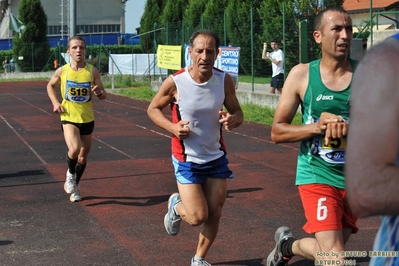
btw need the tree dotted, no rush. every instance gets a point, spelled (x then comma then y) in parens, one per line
(172, 19)
(214, 17)
(193, 14)
(173, 11)
(238, 20)
(150, 21)
(32, 45)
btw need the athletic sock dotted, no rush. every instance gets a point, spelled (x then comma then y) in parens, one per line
(198, 258)
(286, 247)
(72, 164)
(80, 168)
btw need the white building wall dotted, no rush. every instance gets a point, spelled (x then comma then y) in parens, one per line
(89, 12)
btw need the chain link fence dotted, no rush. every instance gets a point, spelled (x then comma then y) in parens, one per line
(295, 39)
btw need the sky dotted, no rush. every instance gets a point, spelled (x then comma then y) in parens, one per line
(134, 9)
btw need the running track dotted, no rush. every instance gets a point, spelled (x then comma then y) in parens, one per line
(125, 190)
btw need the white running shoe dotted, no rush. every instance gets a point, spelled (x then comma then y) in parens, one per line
(276, 257)
(199, 262)
(172, 219)
(75, 196)
(70, 183)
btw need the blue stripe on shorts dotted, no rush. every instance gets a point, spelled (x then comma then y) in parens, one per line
(193, 173)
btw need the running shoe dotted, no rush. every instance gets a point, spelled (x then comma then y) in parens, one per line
(75, 196)
(201, 262)
(70, 183)
(172, 219)
(276, 258)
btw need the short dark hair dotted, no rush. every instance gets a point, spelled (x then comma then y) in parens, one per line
(206, 33)
(317, 24)
(274, 40)
(78, 38)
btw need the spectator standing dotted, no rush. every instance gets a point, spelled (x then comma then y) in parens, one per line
(6, 65)
(277, 59)
(12, 65)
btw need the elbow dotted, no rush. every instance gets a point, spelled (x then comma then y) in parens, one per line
(275, 137)
(149, 112)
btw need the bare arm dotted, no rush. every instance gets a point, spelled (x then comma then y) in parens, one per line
(51, 85)
(372, 174)
(234, 117)
(167, 93)
(264, 52)
(98, 88)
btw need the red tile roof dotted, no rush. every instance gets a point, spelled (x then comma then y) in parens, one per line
(352, 5)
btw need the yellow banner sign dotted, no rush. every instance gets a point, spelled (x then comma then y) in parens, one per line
(169, 56)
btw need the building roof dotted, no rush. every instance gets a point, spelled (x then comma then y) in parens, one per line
(359, 6)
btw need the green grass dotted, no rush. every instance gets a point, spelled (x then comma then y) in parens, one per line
(23, 79)
(252, 113)
(256, 80)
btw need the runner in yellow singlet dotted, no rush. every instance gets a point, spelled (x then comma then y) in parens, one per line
(79, 83)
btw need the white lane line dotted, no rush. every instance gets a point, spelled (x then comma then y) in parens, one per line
(23, 140)
(28, 103)
(113, 148)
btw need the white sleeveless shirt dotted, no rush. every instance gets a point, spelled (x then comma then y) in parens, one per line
(199, 103)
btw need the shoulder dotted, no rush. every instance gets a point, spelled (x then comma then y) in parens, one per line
(168, 85)
(181, 71)
(300, 70)
(297, 80)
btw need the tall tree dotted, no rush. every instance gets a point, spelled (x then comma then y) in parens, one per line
(150, 21)
(213, 17)
(173, 11)
(32, 45)
(172, 19)
(240, 32)
(193, 14)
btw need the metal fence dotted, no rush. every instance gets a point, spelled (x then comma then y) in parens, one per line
(296, 41)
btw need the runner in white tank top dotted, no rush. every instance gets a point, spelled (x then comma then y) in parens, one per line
(197, 95)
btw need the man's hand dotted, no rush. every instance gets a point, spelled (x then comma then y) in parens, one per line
(227, 120)
(96, 90)
(57, 108)
(332, 126)
(181, 130)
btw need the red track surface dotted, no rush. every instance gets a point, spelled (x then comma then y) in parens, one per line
(125, 190)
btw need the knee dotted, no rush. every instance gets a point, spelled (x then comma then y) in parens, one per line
(73, 153)
(210, 217)
(197, 219)
(82, 159)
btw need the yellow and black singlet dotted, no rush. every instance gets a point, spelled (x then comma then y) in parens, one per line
(76, 93)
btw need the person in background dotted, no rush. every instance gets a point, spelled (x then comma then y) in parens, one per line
(322, 88)
(197, 94)
(372, 169)
(6, 64)
(80, 83)
(277, 59)
(12, 65)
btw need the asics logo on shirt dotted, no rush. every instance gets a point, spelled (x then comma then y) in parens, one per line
(322, 97)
